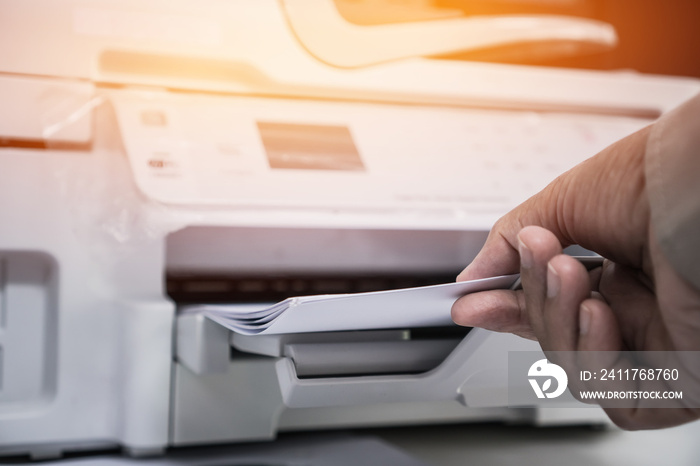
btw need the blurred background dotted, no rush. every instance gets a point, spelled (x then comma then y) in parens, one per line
(658, 37)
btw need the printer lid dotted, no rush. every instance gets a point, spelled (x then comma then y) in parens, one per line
(275, 48)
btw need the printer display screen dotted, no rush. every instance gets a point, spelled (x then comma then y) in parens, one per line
(309, 147)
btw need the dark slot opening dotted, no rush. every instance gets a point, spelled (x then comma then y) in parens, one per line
(186, 288)
(41, 144)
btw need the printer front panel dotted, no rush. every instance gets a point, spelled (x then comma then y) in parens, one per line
(352, 163)
(175, 190)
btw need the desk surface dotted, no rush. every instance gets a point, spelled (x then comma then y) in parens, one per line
(477, 444)
(492, 444)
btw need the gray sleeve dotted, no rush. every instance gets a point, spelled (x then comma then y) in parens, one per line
(673, 184)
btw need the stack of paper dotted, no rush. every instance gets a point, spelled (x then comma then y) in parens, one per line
(427, 306)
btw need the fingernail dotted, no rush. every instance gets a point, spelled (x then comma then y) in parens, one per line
(553, 281)
(526, 259)
(584, 320)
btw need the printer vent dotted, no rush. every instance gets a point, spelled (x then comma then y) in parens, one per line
(186, 288)
(3, 300)
(3, 315)
(28, 328)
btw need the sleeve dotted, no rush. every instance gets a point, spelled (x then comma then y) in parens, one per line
(672, 164)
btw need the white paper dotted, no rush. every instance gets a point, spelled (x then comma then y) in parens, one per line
(427, 306)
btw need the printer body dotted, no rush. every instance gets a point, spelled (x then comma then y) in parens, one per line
(160, 154)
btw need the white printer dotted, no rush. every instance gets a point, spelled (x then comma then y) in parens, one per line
(154, 154)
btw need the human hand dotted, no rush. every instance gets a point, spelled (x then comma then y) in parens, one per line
(635, 302)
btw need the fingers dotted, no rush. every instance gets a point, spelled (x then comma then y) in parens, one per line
(650, 418)
(536, 246)
(554, 285)
(635, 305)
(598, 328)
(567, 287)
(498, 310)
(508, 311)
(499, 256)
(600, 345)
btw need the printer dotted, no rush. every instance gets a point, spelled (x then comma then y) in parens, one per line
(159, 154)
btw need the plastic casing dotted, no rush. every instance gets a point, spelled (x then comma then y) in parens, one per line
(89, 339)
